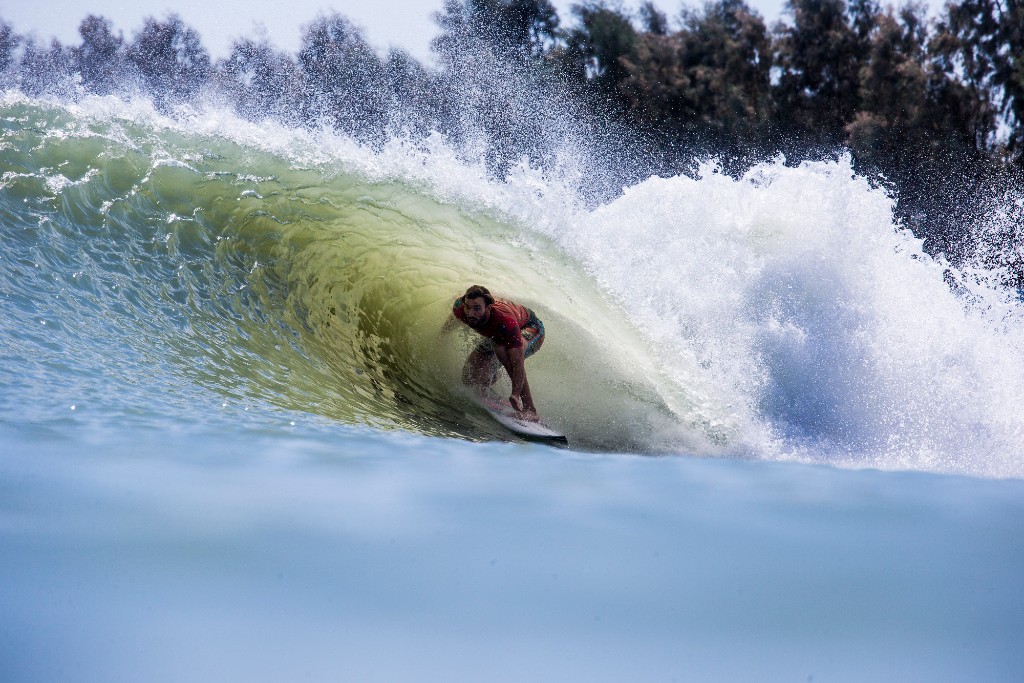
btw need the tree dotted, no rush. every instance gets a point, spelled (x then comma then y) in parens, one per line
(731, 56)
(599, 47)
(522, 30)
(170, 58)
(341, 75)
(819, 58)
(864, 16)
(712, 75)
(420, 101)
(100, 59)
(9, 41)
(653, 20)
(261, 80)
(980, 41)
(894, 80)
(904, 129)
(46, 71)
(906, 100)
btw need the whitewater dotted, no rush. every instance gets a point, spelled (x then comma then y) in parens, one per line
(236, 444)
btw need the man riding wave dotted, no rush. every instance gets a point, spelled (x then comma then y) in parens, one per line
(512, 334)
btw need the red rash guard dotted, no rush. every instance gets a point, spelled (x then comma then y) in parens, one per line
(505, 324)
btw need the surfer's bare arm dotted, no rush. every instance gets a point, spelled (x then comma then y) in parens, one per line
(529, 410)
(450, 324)
(515, 364)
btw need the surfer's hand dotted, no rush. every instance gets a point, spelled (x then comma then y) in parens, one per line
(528, 414)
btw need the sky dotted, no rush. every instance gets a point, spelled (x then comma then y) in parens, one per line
(386, 23)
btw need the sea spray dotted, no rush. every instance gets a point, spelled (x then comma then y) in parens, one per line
(820, 321)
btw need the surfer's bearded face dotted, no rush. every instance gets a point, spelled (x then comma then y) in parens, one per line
(476, 311)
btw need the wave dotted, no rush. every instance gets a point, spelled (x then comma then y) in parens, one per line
(778, 315)
(311, 282)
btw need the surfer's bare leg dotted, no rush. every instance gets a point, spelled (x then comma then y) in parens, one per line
(478, 372)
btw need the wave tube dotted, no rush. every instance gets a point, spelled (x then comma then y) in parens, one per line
(308, 281)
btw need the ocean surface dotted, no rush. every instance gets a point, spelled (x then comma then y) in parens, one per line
(234, 444)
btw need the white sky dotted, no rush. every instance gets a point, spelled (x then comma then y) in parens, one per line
(387, 23)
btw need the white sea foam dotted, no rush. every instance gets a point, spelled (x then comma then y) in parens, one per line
(821, 322)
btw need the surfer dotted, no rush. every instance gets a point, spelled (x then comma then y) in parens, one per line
(512, 334)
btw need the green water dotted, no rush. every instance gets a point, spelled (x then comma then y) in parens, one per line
(254, 275)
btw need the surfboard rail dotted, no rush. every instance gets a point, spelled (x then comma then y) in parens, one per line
(504, 414)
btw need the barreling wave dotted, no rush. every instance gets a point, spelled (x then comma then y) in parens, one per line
(310, 278)
(780, 315)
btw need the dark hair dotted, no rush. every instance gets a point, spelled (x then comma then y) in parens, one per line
(479, 292)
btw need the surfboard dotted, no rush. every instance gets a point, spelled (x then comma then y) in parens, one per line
(503, 413)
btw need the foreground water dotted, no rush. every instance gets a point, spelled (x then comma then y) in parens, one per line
(325, 553)
(235, 447)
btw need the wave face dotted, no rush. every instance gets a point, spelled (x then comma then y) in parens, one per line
(781, 315)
